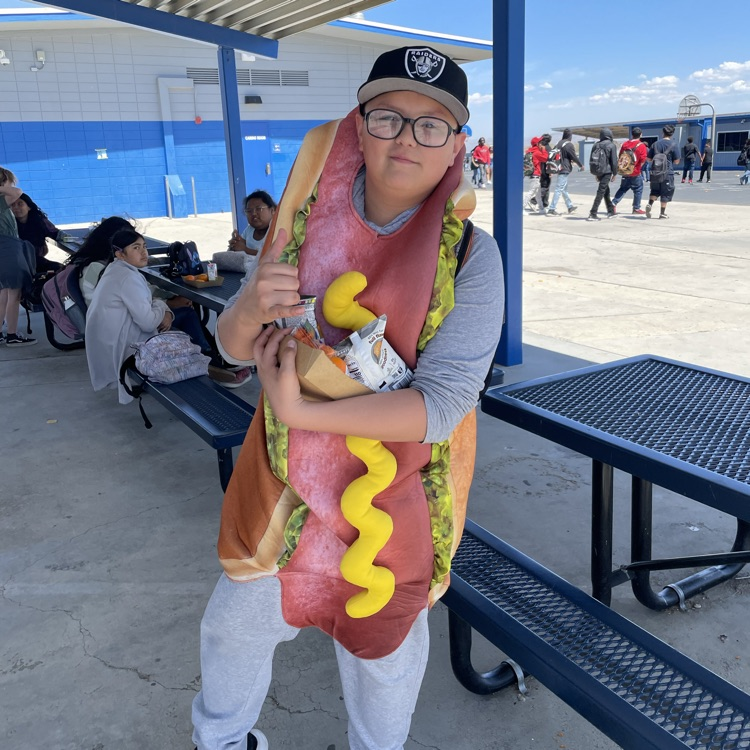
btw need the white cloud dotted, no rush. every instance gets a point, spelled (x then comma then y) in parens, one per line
(725, 72)
(528, 87)
(561, 105)
(545, 85)
(642, 93)
(736, 87)
(478, 98)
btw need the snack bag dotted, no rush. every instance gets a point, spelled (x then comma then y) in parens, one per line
(371, 360)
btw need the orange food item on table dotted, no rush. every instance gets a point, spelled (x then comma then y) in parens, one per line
(190, 277)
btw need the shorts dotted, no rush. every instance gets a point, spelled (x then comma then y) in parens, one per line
(663, 189)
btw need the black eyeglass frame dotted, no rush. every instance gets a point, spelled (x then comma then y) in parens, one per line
(412, 122)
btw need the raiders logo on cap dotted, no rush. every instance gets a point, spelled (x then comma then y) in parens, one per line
(424, 64)
(423, 70)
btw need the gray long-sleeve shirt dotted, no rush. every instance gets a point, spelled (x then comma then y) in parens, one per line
(451, 370)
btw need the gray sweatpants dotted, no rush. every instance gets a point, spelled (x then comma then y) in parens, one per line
(240, 630)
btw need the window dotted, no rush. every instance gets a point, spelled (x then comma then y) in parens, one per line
(731, 141)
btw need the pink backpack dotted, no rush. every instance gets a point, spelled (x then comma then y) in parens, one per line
(64, 303)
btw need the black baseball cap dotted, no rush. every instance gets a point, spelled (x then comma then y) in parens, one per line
(423, 70)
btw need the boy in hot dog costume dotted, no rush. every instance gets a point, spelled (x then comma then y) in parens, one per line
(379, 193)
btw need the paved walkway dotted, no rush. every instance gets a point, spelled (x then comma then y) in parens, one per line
(107, 539)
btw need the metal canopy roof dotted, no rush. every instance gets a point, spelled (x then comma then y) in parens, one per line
(273, 19)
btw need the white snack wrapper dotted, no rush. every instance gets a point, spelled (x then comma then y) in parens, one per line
(372, 361)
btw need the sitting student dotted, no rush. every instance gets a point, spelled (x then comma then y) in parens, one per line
(95, 253)
(17, 266)
(259, 211)
(123, 312)
(34, 226)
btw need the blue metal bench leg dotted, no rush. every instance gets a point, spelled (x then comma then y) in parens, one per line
(481, 683)
(723, 566)
(226, 466)
(601, 531)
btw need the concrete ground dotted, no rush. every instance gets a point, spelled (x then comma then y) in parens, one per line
(107, 538)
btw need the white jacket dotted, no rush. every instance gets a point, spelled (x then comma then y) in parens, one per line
(122, 313)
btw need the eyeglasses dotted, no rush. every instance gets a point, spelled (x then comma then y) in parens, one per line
(257, 209)
(431, 132)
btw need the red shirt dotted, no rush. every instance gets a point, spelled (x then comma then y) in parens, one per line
(540, 155)
(481, 154)
(640, 149)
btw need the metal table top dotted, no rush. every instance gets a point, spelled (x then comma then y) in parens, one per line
(70, 240)
(682, 427)
(212, 298)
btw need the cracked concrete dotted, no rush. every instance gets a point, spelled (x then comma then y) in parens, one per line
(108, 531)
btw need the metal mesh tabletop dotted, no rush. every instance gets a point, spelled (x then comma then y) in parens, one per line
(699, 417)
(690, 711)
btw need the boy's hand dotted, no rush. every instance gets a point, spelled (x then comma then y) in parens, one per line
(278, 374)
(273, 290)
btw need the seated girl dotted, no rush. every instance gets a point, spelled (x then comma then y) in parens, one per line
(124, 312)
(34, 226)
(259, 211)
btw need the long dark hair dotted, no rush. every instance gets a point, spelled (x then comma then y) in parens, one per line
(97, 246)
(37, 227)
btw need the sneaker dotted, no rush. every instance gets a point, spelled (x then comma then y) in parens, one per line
(16, 339)
(639, 211)
(593, 217)
(690, 182)
(700, 180)
(552, 212)
(229, 379)
(256, 740)
(614, 209)
(611, 214)
(2, 337)
(683, 179)
(648, 211)
(663, 216)
(572, 208)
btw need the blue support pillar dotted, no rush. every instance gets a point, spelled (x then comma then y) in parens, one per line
(507, 177)
(230, 106)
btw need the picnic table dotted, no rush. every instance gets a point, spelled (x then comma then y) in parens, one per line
(673, 424)
(70, 240)
(208, 298)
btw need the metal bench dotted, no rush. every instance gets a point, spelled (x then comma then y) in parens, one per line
(213, 413)
(636, 689)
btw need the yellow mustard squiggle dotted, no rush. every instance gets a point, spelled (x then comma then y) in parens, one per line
(375, 526)
(340, 308)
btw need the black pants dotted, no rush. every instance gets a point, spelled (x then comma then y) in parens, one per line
(705, 170)
(603, 192)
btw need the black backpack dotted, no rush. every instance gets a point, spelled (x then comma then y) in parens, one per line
(183, 259)
(659, 167)
(599, 160)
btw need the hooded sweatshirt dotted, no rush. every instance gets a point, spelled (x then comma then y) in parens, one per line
(607, 142)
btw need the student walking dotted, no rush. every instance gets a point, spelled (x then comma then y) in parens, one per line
(743, 160)
(568, 157)
(663, 156)
(603, 165)
(633, 181)
(707, 160)
(691, 154)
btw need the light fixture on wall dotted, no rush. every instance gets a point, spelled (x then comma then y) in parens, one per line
(3, 59)
(41, 57)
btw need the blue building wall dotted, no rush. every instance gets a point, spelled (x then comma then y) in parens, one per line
(56, 164)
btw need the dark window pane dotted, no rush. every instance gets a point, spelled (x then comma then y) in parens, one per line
(731, 141)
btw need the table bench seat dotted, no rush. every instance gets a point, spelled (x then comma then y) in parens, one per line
(636, 689)
(215, 414)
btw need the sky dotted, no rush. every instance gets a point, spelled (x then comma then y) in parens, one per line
(590, 63)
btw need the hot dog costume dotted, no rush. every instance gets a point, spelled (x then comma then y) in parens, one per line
(282, 511)
(284, 529)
